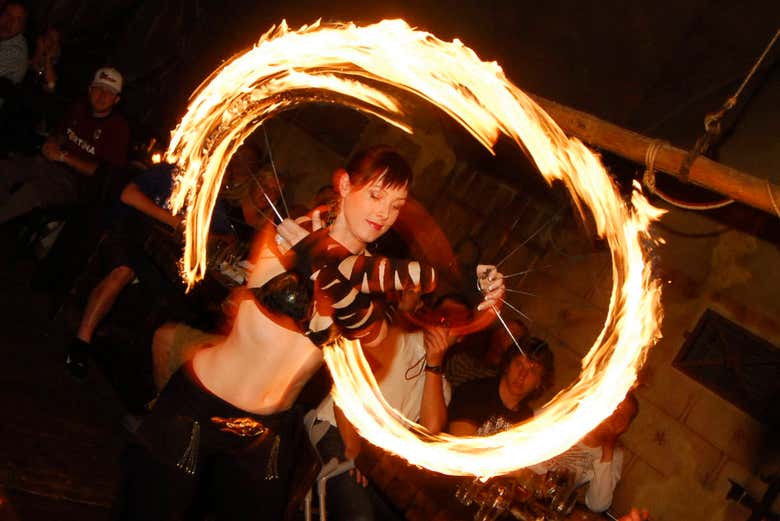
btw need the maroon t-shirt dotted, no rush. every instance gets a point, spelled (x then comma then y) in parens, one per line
(87, 137)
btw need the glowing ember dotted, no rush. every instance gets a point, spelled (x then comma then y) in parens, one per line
(331, 63)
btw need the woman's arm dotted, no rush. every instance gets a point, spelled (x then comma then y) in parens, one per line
(53, 151)
(380, 275)
(606, 474)
(433, 408)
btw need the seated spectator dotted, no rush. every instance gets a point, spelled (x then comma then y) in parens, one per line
(147, 195)
(91, 137)
(597, 460)
(44, 61)
(246, 186)
(13, 48)
(489, 405)
(408, 369)
(475, 358)
(40, 108)
(249, 185)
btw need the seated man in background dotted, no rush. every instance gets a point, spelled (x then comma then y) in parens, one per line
(408, 369)
(144, 198)
(92, 136)
(37, 108)
(489, 405)
(249, 185)
(13, 48)
(597, 460)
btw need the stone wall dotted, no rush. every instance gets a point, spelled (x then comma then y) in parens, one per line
(687, 442)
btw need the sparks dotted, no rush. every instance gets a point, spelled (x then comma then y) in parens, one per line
(332, 63)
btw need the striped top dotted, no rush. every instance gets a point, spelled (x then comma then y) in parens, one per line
(13, 58)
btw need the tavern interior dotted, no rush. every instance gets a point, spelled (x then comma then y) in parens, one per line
(708, 419)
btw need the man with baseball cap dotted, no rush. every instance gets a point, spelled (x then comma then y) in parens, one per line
(108, 78)
(92, 138)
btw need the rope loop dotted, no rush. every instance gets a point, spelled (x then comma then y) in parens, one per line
(648, 179)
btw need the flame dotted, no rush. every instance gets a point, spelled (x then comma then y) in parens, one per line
(359, 67)
(156, 158)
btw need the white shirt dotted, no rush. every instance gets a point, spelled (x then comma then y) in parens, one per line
(401, 379)
(585, 462)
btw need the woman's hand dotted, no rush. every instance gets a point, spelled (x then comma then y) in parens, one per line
(437, 343)
(491, 284)
(289, 232)
(51, 150)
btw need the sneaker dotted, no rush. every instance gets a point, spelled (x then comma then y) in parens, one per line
(77, 359)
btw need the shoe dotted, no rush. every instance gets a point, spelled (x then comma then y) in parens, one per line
(77, 359)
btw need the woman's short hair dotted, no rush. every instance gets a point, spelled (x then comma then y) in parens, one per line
(379, 161)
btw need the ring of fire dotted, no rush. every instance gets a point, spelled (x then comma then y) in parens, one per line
(344, 63)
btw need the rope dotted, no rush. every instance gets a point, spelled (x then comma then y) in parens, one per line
(733, 100)
(712, 121)
(648, 179)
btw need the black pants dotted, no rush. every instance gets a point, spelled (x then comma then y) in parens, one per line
(187, 466)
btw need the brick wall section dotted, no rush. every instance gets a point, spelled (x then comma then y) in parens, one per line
(686, 442)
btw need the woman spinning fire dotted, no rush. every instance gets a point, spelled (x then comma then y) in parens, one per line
(224, 437)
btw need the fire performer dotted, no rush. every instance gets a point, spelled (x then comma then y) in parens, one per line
(224, 436)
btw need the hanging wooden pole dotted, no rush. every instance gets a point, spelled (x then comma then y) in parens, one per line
(754, 191)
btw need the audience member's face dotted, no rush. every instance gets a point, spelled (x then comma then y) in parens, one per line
(102, 100)
(500, 341)
(12, 20)
(522, 376)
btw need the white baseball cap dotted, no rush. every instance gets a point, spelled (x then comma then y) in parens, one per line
(108, 78)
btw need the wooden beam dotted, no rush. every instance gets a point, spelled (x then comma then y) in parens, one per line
(734, 184)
